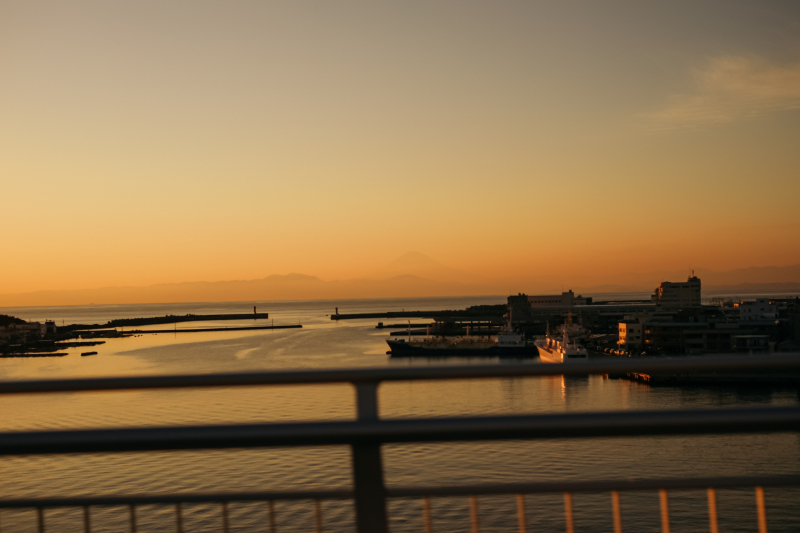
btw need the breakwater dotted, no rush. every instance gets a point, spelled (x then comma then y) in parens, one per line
(168, 319)
(381, 325)
(201, 330)
(398, 314)
(33, 354)
(476, 312)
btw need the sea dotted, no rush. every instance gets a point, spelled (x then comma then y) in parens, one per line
(325, 344)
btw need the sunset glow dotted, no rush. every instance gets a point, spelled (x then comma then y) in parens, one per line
(150, 143)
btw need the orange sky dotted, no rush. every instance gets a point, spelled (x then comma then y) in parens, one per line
(149, 143)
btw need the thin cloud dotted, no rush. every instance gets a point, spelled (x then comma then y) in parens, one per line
(731, 88)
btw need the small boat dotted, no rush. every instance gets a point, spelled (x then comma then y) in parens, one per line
(88, 353)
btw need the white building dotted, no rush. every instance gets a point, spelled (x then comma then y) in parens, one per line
(630, 334)
(678, 295)
(761, 309)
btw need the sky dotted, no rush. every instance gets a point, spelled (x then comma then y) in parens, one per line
(159, 142)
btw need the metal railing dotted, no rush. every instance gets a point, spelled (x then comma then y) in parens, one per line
(368, 432)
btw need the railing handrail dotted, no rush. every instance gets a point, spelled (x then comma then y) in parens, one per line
(605, 485)
(711, 363)
(375, 432)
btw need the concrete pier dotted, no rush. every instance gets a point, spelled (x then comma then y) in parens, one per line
(200, 330)
(169, 319)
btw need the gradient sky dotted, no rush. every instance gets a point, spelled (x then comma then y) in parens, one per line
(149, 142)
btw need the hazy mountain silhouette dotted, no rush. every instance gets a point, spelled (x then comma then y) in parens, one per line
(275, 287)
(751, 275)
(411, 275)
(421, 266)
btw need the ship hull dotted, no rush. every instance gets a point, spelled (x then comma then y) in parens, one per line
(553, 355)
(550, 356)
(403, 349)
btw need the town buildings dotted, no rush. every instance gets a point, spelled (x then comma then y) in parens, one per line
(22, 333)
(680, 324)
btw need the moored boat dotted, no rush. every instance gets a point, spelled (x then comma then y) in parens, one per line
(559, 349)
(506, 343)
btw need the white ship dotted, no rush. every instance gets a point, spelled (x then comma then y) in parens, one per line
(558, 348)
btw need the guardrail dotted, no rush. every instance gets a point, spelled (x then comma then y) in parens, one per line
(368, 432)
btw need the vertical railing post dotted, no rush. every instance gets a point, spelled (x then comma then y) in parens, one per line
(617, 512)
(474, 520)
(272, 527)
(370, 492)
(426, 515)
(662, 494)
(178, 518)
(318, 515)
(762, 510)
(132, 514)
(87, 521)
(568, 512)
(225, 526)
(521, 513)
(712, 511)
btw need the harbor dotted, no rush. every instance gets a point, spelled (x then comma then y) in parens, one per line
(35, 339)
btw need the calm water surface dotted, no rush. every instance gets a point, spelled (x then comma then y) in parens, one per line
(326, 344)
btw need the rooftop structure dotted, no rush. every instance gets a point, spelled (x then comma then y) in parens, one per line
(565, 299)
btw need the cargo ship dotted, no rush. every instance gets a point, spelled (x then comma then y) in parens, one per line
(505, 344)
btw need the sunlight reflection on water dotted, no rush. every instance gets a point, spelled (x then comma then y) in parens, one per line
(326, 344)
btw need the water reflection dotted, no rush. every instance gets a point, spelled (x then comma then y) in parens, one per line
(326, 344)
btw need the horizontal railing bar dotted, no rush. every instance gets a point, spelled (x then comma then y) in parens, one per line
(596, 486)
(359, 375)
(416, 492)
(547, 426)
(170, 499)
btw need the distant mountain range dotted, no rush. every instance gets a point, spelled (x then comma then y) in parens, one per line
(412, 275)
(421, 266)
(275, 287)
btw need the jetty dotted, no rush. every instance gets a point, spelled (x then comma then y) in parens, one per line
(32, 354)
(168, 319)
(381, 325)
(394, 314)
(202, 330)
(476, 312)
